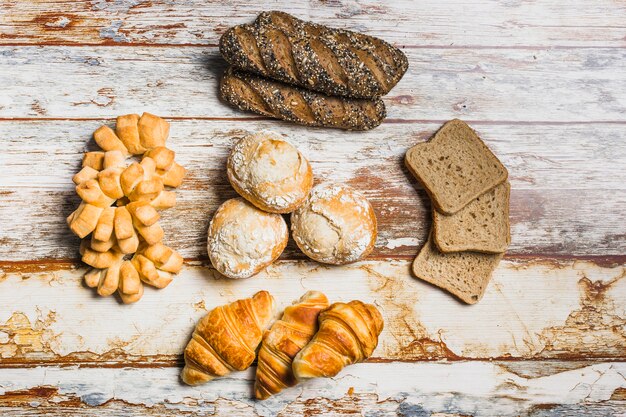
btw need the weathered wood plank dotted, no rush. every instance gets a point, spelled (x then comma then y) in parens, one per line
(391, 389)
(568, 183)
(531, 310)
(431, 22)
(553, 85)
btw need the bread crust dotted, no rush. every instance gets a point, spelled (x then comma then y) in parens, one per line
(336, 225)
(243, 240)
(269, 172)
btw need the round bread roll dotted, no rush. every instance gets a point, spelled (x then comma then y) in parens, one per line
(336, 225)
(270, 173)
(243, 239)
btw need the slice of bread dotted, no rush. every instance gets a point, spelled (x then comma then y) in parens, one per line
(481, 226)
(455, 167)
(464, 274)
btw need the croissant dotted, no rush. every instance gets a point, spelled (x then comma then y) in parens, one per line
(283, 342)
(348, 334)
(226, 339)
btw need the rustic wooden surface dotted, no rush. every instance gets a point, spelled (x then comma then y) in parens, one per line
(544, 84)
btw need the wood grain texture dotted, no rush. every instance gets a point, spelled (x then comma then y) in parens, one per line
(566, 198)
(543, 82)
(429, 22)
(394, 389)
(547, 85)
(531, 310)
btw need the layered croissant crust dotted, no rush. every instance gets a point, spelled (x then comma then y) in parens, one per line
(120, 204)
(226, 339)
(283, 342)
(348, 333)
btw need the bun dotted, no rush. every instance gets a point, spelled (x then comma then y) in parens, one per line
(336, 225)
(270, 173)
(243, 239)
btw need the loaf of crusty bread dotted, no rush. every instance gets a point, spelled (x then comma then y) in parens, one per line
(333, 61)
(281, 101)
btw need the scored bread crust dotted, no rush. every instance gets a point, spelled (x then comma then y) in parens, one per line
(481, 226)
(336, 225)
(463, 274)
(269, 172)
(332, 61)
(275, 99)
(455, 166)
(243, 240)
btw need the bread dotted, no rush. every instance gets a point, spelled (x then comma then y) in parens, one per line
(119, 207)
(269, 172)
(243, 240)
(455, 167)
(226, 339)
(154, 265)
(270, 98)
(463, 274)
(332, 61)
(335, 225)
(481, 226)
(283, 341)
(348, 333)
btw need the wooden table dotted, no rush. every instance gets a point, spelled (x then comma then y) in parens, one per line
(543, 83)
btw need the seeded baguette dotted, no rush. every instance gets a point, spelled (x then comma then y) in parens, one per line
(281, 101)
(332, 61)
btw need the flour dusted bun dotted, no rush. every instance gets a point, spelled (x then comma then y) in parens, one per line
(243, 239)
(335, 225)
(269, 172)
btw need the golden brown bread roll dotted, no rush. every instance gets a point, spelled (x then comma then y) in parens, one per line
(335, 225)
(270, 98)
(333, 61)
(283, 341)
(243, 240)
(226, 339)
(269, 172)
(348, 333)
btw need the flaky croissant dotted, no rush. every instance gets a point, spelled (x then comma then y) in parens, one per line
(348, 333)
(283, 342)
(226, 339)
